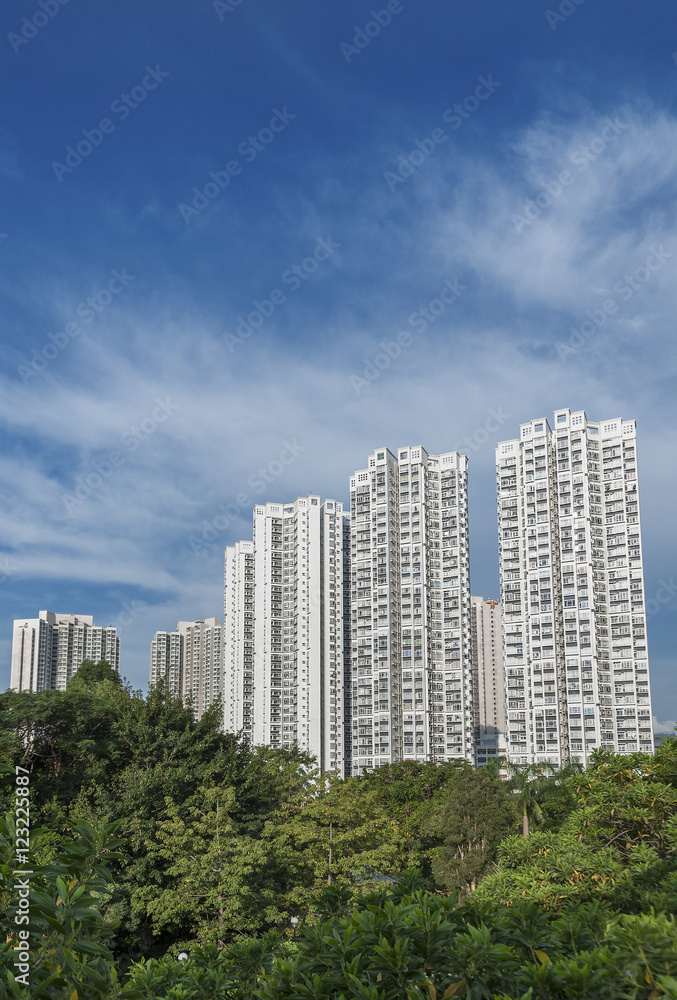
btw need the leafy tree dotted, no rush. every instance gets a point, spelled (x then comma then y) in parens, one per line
(65, 738)
(623, 802)
(472, 814)
(219, 882)
(334, 833)
(619, 843)
(665, 761)
(557, 795)
(408, 788)
(164, 754)
(69, 943)
(553, 869)
(90, 675)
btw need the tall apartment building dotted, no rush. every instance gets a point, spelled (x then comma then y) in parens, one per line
(189, 662)
(488, 681)
(292, 577)
(47, 650)
(166, 661)
(575, 648)
(238, 639)
(202, 662)
(410, 671)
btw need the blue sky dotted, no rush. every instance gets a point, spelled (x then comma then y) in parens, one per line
(347, 191)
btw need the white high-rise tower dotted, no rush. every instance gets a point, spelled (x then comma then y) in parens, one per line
(188, 661)
(410, 671)
(47, 650)
(284, 632)
(238, 640)
(574, 633)
(488, 681)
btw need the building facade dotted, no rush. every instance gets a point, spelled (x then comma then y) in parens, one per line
(47, 650)
(293, 689)
(410, 661)
(574, 637)
(202, 662)
(166, 661)
(488, 680)
(188, 661)
(238, 639)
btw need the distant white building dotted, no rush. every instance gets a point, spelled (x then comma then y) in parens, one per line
(188, 661)
(238, 639)
(47, 650)
(166, 661)
(283, 629)
(572, 590)
(488, 681)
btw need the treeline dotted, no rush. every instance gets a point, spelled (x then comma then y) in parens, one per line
(222, 839)
(415, 881)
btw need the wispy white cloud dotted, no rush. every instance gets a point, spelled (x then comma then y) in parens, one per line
(545, 242)
(233, 411)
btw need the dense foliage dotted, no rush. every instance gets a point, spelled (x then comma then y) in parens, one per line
(161, 834)
(70, 941)
(421, 946)
(221, 839)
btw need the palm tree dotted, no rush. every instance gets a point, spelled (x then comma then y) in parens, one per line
(494, 766)
(529, 782)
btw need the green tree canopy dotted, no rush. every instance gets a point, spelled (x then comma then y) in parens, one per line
(471, 815)
(90, 675)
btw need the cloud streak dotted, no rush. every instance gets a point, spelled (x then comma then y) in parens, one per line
(233, 411)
